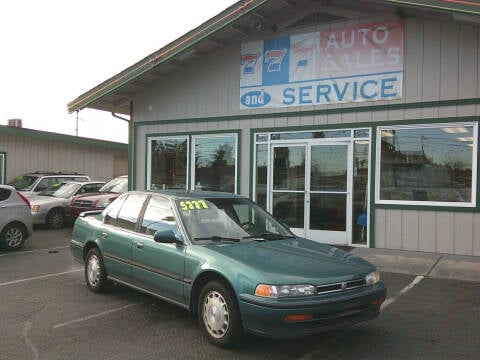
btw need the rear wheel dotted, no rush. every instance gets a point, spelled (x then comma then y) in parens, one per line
(95, 274)
(56, 218)
(218, 314)
(13, 237)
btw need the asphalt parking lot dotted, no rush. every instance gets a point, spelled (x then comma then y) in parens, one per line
(47, 312)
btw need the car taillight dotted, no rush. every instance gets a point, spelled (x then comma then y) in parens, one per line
(24, 198)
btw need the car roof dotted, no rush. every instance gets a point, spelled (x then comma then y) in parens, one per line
(182, 194)
(83, 182)
(53, 173)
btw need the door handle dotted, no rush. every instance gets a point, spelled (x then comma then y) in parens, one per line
(103, 235)
(139, 245)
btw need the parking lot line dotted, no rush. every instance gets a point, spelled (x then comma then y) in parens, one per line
(32, 251)
(103, 313)
(38, 277)
(403, 291)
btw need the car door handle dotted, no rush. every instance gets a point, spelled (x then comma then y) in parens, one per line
(103, 235)
(139, 245)
(3, 206)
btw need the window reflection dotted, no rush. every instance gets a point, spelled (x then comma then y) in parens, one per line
(427, 164)
(169, 163)
(289, 168)
(215, 163)
(261, 173)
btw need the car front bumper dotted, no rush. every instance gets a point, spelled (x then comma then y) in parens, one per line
(266, 317)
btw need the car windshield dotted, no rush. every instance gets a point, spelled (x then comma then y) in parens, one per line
(117, 185)
(63, 190)
(229, 220)
(23, 182)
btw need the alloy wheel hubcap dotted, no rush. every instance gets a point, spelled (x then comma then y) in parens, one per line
(93, 270)
(215, 314)
(14, 237)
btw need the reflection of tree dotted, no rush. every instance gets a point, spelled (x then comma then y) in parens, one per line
(168, 163)
(216, 171)
(415, 166)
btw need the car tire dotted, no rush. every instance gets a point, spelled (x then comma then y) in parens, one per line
(55, 218)
(13, 236)
(95, 273)
(218, 314)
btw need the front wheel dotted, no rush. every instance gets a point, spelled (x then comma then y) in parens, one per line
(95, 274)
(218, 314)
(56, 218)
(13, 237)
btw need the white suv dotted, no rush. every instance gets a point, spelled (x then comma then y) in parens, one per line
(32, 183)
(16, 221)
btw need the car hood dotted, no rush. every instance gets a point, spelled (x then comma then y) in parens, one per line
(292, 260)
(43, 200)
(96, 196)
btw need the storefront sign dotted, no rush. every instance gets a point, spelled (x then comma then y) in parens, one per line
(356, 64)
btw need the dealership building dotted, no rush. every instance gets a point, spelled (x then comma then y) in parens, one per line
(354, 122)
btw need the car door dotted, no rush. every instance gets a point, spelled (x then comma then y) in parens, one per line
(119, 233)
(159, 267)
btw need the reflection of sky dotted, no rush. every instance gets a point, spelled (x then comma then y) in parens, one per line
(329, 159)
(438, 146)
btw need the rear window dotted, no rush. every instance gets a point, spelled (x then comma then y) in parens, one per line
(23, 182)
(4, 194)
(117, 185)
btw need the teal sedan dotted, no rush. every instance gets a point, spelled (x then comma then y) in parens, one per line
(227, 261)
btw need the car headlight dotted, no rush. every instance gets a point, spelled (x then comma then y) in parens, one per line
(277, 291)
(372, 278)
(35, 208)
(103, 203)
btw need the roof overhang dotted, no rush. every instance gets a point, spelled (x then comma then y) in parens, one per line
(246, 18)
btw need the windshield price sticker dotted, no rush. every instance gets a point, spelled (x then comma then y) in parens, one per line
(193, 205)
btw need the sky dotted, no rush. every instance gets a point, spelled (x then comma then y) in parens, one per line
(52, 51)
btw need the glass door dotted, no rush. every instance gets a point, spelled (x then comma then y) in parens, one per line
(328, 195)
(288, 185)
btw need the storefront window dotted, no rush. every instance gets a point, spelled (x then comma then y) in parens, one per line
(168, 163)
(428, 165)
(261, 175)
(215, 163)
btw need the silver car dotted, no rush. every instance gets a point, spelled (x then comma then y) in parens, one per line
(49, 206)
(16, 222)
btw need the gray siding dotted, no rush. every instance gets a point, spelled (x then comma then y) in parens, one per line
(441, 63)
(27, 154)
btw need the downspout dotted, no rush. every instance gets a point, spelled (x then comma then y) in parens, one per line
(131, 144)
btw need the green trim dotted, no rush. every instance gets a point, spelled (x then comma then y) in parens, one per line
(458, 6)
(253, 149)
(340, 110)
(3, 170)
(182, 44)
(189, 136)
(429, 208)
(373, 168)
(49, 136)
(131, 152)
(419, 207)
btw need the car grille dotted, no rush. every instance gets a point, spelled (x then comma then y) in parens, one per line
(82, 203)
(346, 285)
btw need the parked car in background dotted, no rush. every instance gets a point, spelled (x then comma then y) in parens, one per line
(97, 201)
(48, 207)
(32, 183)
(16, 223)
(227, 260)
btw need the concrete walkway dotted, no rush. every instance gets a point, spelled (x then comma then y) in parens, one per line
(431, 265)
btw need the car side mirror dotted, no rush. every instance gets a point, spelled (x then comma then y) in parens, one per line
(166, 237)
